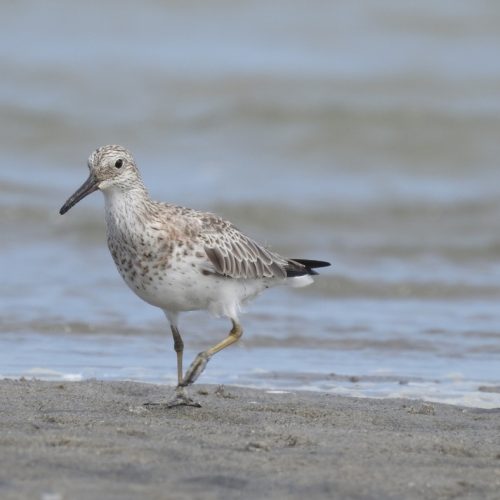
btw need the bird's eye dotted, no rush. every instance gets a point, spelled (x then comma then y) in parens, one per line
(119, 163)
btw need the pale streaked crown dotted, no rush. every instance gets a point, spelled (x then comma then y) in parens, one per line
(113, 165)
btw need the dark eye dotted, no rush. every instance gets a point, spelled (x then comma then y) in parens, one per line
(118, 163)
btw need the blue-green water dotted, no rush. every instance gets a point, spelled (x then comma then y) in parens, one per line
(365, 134)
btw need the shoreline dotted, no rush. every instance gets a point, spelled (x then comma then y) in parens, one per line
(94, 439)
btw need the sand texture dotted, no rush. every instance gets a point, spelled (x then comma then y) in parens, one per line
(96, 440)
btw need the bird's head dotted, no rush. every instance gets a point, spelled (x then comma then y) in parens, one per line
(111, 167)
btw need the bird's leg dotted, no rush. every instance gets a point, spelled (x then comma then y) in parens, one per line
(181, 398)
(179, 349)
(200, 362)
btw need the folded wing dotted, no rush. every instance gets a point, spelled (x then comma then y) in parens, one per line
(235, 255)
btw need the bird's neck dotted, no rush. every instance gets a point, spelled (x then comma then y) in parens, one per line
(126, 208)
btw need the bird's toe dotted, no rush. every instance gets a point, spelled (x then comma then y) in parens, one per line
(196, 369)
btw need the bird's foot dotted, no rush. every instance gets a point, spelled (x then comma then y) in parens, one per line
(180, 399)
(196, 369)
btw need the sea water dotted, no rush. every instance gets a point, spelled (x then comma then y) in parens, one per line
(365, 134)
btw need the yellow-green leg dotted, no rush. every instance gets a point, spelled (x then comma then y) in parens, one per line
(201, 360)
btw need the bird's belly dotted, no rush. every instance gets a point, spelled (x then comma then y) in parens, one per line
(188, 289)
(175, 293)
(170, 290)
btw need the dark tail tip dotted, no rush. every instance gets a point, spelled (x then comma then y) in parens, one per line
(300, 267)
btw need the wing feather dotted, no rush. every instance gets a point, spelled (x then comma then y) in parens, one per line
(235, 255)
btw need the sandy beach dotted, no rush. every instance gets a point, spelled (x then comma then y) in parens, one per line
(92, 439)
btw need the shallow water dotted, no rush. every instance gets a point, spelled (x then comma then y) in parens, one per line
(364, 136)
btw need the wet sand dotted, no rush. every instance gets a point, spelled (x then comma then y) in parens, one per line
(88, 440)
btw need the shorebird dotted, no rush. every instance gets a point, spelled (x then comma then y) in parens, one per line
(180, 259)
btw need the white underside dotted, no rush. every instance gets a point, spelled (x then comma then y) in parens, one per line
(187, 289)
(299, 281)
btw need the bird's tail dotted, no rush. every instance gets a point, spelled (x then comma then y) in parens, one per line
(300, 267)
(300, 271)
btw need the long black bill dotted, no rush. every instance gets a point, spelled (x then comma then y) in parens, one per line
(89, 186)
